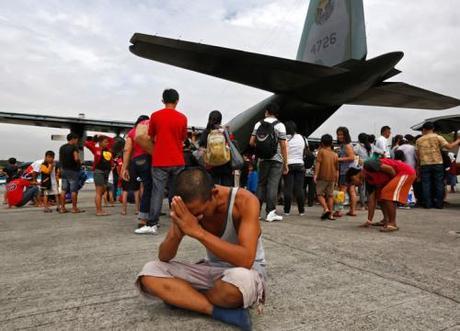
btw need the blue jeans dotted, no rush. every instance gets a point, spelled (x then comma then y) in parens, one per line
(269, 179)
(433, 181)
(161, 176)
(141, 167)
(28, 195)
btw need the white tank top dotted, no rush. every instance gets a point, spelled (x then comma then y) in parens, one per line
(230, 235)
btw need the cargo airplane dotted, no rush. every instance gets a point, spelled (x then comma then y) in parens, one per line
(330, 70)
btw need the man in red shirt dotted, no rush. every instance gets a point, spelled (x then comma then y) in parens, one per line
(391, 181)
(16, 195)
(168, 131)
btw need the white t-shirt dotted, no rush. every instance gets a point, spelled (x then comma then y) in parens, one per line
(280, 131)
(382, 146)
(296, 147)
(409, 154)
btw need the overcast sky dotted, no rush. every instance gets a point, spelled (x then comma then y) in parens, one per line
(70, 57)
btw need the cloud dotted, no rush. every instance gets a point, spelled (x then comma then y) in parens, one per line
(65, 58)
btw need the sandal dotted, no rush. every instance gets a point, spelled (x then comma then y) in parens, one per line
(381, 223)
(337, 214)
(326, 215)
(102, 214)
(63, 211)
(389, 228)
(351, 214)
(77, 211)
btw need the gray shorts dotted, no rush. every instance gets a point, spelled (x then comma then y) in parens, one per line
(101, 177)
(202, 277)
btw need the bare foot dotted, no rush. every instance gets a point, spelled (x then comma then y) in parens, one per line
(102, 213)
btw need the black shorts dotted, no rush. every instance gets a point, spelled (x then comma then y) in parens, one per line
(133, 184)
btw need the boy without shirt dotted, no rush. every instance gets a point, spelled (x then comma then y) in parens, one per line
(326, 175)
(233, 277)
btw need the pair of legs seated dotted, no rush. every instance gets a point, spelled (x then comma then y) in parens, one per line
(204, 288)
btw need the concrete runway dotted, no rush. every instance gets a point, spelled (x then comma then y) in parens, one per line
(72, 272)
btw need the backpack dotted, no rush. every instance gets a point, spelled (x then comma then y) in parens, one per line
(308, 156)
(266, 140)
(217, 151)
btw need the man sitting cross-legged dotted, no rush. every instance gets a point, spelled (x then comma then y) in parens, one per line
(232, 278)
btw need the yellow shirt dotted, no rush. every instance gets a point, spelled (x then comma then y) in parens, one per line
(46, 169)
(429, 149)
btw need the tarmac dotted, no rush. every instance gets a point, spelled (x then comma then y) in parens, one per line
(77, 272)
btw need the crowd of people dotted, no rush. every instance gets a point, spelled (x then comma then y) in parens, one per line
(280, 166)
(201, 174)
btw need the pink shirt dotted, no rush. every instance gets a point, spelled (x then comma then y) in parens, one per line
(137, 149)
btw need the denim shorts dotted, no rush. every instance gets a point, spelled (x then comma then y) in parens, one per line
(70, 180)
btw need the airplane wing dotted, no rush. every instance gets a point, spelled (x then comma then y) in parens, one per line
(447, 124)
(404, 96)
(65, 122)
(261, 71)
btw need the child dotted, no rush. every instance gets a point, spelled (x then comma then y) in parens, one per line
(326, 175)
(46, 172)
(391, 181)
(127, 186)
(253, 179)
(339, 200)
(103, 160)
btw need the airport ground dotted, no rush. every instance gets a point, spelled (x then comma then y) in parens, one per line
(74, 272)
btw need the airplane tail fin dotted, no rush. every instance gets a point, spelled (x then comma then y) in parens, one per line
(334, 32)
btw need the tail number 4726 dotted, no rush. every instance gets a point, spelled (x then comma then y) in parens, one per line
(324, 43)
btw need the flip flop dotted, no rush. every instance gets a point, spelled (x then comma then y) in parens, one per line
(337, 214)
(351, 214)
(103, 214)
(63, 211)
(365, 225)
(325, 215)
(381, 223)
(389, 228)
(78, 211)
(123, 213)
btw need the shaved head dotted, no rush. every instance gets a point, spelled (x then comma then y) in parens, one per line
(193, 184)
